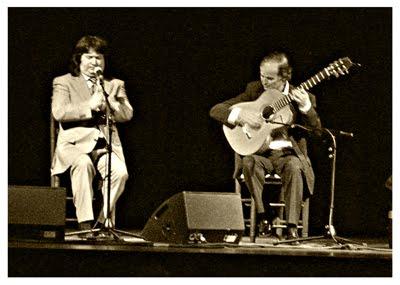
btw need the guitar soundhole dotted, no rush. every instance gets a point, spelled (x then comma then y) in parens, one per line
(267, 112)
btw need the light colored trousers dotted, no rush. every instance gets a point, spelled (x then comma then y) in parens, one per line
(82, 173)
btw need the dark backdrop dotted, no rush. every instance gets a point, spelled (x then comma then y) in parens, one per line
(177, 63)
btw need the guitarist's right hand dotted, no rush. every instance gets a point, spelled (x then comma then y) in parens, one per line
(251, 119)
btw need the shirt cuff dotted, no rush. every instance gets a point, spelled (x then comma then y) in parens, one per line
(233, 115)
(306, 107)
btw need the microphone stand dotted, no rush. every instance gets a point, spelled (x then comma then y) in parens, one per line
(330, 229)
(108, 226)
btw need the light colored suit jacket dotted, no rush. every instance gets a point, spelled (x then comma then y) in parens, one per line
(70, 103)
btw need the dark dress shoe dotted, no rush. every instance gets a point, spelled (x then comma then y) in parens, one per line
(292, 234)
(85, 226)
(264, 228)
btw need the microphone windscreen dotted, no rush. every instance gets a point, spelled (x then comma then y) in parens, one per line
(98, 70)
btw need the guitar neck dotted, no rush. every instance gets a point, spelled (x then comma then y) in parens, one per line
(314, 80)
(307, 85)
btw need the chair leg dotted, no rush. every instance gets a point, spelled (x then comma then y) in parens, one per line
(55, 181)
(252, 221)
(281, 211)
(237, 186)
(305, 216)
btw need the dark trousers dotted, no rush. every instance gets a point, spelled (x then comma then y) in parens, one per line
(288, 166)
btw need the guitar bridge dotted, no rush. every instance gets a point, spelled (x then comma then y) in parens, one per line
(246, 131)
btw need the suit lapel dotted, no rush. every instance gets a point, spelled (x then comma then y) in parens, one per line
(82, 88)
(107, 86)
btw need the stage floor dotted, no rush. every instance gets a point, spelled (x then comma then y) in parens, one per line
(360, 246)
(133, 256)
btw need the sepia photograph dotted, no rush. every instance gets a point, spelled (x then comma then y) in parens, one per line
(199, 141)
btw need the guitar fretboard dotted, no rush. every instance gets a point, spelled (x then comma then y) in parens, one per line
(307, 85)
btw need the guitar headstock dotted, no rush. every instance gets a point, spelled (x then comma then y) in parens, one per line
(340, 66)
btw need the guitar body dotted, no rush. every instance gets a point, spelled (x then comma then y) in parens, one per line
(246, 140)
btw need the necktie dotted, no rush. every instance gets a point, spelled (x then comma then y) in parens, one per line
(92, 88)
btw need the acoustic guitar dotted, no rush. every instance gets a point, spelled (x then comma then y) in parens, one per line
(274, 108)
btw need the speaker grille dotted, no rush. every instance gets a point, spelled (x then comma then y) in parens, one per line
(215, 211)
(33, 205)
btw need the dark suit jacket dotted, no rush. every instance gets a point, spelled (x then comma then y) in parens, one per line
(221, 111)
(70, 103)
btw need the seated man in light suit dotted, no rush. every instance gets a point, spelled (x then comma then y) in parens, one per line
(78, 104)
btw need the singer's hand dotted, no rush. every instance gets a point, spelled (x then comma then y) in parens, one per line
(97, 102)
(301, 97)
(114, 104)
(249, 118)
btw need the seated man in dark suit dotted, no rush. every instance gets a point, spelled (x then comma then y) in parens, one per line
(287, 152)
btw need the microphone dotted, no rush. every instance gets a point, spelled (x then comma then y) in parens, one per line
(99, 73)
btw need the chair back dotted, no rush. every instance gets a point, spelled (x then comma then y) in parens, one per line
(54, 179)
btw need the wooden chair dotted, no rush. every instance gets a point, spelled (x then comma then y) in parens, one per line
(271, 181)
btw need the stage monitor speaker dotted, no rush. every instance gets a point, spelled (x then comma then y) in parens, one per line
(36, 212)
(197, 217)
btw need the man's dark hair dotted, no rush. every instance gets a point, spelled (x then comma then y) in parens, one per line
(285, 70)
(86, 43)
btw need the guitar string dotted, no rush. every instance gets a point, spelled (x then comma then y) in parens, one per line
(279, 104)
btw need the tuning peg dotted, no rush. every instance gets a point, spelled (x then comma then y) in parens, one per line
(346, 70)
(335, 73)
(333, 69)
(339, 68)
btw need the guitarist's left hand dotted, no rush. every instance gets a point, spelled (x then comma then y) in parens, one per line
(301, 97)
